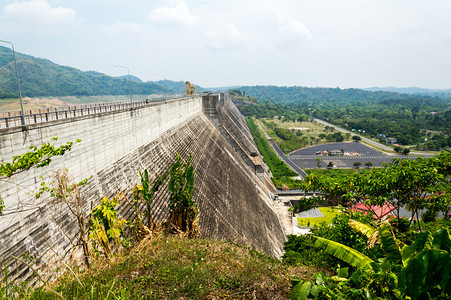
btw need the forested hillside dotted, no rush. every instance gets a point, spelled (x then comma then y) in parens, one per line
(41, 77)
(292, 94)
(423, 121)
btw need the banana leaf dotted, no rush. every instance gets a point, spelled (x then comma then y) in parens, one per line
(363, 228)
(345, 253)
(389, 244)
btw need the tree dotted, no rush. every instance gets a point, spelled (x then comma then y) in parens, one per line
(330, 164)
(145, 193)
(357, 164)
(63, 190)
(406, 151)
(318, 162)
(356, 138)
(405, 182)
(183, 210)
(368, 164)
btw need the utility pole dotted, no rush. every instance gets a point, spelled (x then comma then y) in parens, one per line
(18, 83)
(129, 82)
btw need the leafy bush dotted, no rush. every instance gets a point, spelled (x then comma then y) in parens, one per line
(340, 231)
(429, 216)
(306, 204)
(301, 250)
(419, 271)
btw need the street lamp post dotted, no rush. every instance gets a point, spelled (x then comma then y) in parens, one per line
(129, 82)
(18, 83)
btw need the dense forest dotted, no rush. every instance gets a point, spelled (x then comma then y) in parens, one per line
(422, 121)
(41, 77)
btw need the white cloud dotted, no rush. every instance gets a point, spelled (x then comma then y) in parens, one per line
(226, 38)
(178, 15)
(40, 11)
(122, 28)
(293, 29)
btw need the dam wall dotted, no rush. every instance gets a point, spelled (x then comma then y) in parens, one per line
(234, 203)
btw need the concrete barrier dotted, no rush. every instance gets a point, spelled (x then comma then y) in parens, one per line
(234, 204)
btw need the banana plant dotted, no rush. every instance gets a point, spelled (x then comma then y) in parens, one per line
(419, 271)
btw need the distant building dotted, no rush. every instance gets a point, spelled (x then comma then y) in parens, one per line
(433, 112)
(391, 140)
(336, 152)
(378, 212)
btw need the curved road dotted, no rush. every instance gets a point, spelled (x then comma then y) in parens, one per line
(287, 160)
(367, 140)
(282, 155)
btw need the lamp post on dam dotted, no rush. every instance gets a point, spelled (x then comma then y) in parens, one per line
(129, 82)
(18, 83)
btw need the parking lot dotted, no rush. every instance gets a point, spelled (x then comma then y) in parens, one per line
(307, 158)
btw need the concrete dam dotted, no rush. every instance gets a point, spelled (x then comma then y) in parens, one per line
(231, 186)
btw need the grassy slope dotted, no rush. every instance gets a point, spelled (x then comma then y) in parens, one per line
(172, 267)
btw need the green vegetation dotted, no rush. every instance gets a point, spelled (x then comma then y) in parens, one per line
(419, 271)
(381, 259)
(105, 238)
(306, 203)
(281, 173)
(183, 210)
(41, 77)
(292, 134)
(106, 229)
(287, 139)
(333, 173)
(174, 267)
(328, 212)
(413, 120)
(35, 158)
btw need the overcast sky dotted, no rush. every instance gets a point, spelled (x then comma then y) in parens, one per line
(326, 43)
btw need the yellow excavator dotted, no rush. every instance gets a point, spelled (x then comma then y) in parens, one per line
(190, 90)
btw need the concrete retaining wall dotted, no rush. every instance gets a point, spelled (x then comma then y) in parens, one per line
(233, 202)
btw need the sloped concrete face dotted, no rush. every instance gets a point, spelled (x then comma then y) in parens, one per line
(234, 204)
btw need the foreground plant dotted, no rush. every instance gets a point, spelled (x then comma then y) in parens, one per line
(419, 271)
(37, 157)
(64, 191)
(183, 210)
(105, 227)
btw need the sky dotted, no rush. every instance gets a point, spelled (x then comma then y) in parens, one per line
(313, 43)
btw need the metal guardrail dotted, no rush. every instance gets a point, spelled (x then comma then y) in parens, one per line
(34, 116)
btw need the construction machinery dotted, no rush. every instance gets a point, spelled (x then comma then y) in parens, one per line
(190, 90)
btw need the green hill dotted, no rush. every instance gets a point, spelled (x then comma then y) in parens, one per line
(296, 94)
(41, 77)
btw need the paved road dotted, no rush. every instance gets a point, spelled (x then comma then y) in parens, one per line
(287, 160)
(371, 142)
(349, 157)
(282, 155)
(362, 148)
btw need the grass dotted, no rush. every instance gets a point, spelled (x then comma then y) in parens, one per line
(173, 267)
(328, 212)
(314, 130)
